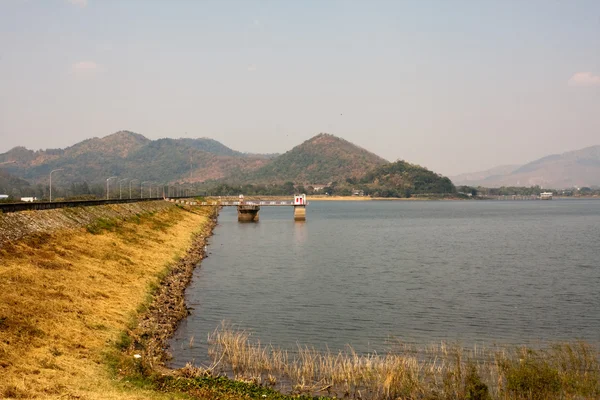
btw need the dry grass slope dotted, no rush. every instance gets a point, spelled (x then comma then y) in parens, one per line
(66, 297)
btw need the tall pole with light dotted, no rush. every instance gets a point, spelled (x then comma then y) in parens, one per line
(51, 172)
(107, 187)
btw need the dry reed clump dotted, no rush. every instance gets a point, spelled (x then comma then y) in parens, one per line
(566, 371)
(66, 297)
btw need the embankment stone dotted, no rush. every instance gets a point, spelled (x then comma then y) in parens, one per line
(14, 226)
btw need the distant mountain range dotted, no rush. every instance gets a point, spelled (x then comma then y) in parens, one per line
(323, 160)
(579, 168)
(130, 155)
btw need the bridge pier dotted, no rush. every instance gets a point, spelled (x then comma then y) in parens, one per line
(299, 213)
(248, 213)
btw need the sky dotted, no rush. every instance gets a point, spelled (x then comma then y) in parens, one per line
(453, 85)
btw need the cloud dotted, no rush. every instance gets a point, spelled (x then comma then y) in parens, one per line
(252, 67)
(79, 3)
(584, 79)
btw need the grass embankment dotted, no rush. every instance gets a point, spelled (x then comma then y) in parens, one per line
(66, 299)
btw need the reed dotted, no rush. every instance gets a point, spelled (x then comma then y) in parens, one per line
(562, 371)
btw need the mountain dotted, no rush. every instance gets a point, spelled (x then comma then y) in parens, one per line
(323, 160)
(579, 168)
(119, 144)
(11, 185)
(472, 178)
(210, 146)
(402, 179)
(319, 160)
(338, 167)
(130, 155)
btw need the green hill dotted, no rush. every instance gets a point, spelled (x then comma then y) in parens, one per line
(402, 179)
(322, 159)
(338, 167)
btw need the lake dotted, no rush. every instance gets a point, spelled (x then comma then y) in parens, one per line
(369, 273)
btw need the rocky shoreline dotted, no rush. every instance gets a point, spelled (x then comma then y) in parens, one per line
(157, 324)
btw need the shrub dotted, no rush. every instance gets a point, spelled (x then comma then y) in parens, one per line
(475, 389)
(531, 377)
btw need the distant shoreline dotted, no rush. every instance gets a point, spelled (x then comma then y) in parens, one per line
(322, 198)
(363, 198)
(367, 198)
(328, 198)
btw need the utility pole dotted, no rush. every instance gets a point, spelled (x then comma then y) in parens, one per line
(107, 187)
(54, 170)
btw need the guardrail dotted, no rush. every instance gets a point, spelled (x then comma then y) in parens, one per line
(247, 203)
(46, 205)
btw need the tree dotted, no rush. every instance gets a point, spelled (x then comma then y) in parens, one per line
(288, 188)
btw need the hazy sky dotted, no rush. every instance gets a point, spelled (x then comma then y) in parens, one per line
(455, 86)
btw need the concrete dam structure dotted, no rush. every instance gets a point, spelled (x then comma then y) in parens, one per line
(248, 211)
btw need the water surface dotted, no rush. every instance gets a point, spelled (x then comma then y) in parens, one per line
(360, 273)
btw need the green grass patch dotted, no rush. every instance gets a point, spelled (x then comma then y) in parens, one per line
(123, 342)
(102, 224)
(222, 388)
